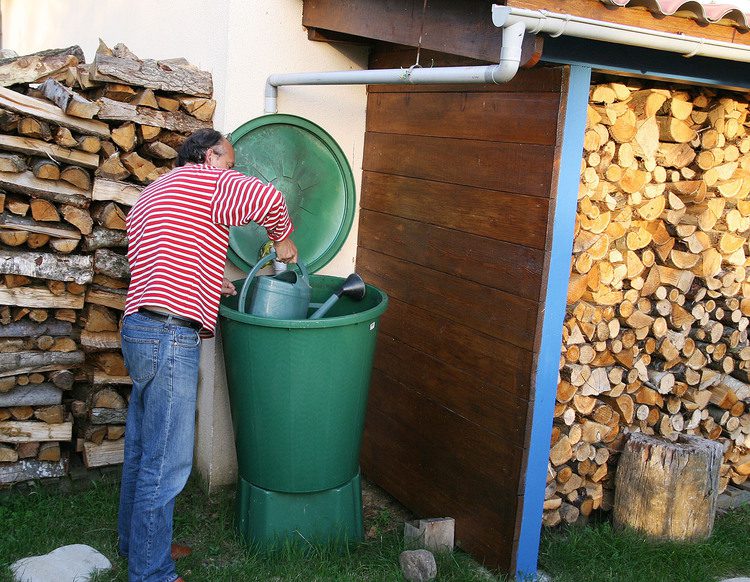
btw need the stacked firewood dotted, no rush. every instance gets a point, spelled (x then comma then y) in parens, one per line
(656, 335)
(78, 142)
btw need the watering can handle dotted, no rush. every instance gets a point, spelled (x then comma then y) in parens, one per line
(246, 285)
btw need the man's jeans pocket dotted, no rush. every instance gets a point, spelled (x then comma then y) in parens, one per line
(142, 367)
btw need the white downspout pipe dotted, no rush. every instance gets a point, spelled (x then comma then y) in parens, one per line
(510, 57)
(537, 21)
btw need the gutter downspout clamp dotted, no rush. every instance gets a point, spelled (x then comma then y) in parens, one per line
(504, 71)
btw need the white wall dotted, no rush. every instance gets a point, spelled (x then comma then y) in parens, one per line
(240, 42)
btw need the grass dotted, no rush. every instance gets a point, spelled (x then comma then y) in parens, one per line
(596, 553)
(38, 521)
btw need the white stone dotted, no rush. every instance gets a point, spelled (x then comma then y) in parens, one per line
(75, 563)
(743, 579)
(418, 565)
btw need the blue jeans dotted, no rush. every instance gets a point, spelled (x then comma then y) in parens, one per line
(162, 360)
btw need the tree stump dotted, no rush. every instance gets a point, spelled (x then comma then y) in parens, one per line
(668, 490)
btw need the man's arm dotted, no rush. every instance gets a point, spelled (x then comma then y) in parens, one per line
(286, 250)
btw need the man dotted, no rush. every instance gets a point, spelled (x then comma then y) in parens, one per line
(178, 234)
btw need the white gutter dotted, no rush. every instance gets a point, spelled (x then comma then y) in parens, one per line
(510, 57)
(537, 21)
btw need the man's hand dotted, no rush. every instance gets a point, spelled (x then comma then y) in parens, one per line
(227, 288)
(286, 250)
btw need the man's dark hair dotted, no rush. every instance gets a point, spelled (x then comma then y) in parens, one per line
(194, 148)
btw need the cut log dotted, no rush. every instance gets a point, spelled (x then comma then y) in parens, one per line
(21, 431)
(78, 217)
(28, 362)
(51, 414)
(76, 176)
(34, 129)
(106, 297)
(43, 210)
(31, 469)
(56, 191)
(77, 268)
(89, 143)
(108, 415)
(124, 136)
(104, 340)
(112, 169)
(142, 169)
(110, 216)
(107, 263)
(35, 395)
(58, 230)
(173, 121)
(668, 490)
(174, 77)
(107, 453)
(121, 192)
(40, 109)
(35, 147)
(34, 67)
(105, 238)
(27, 328)
(159, 151)
(68, 100)
(12, 163)
(199, 108)
(64, 138)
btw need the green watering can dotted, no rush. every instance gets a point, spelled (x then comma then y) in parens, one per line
(284, 296)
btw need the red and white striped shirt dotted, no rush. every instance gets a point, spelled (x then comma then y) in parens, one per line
(178, 235)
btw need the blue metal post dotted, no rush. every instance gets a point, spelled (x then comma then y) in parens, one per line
(545, 388)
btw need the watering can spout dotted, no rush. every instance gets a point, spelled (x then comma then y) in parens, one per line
(353, 287)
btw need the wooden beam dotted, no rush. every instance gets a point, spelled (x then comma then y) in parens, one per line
(41, 109)
(13, 364)
(37, 147)
(461, 28)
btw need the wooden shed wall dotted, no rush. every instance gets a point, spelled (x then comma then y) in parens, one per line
(457, 191)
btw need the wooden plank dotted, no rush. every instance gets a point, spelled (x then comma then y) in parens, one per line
(463, 28)
(510, 167)
(107, 298)
(639, 17)
(54, 190)
(31, 68)
(122, 192)
(508, 117)
(37, 147)
(496, 313)
(16, 431)
(107, 453)
(36, 297)
(42, 109)
(491, 361)
(496, 264)
(102, 379)
(411, 449)
(489, 213)
(480, 403)
(30, 469)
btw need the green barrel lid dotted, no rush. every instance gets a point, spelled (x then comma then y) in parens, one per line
(302, 161)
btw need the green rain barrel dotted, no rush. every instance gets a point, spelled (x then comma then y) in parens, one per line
(298, 393)
(298, 388)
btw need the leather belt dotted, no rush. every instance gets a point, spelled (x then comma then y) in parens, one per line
(169, 318)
